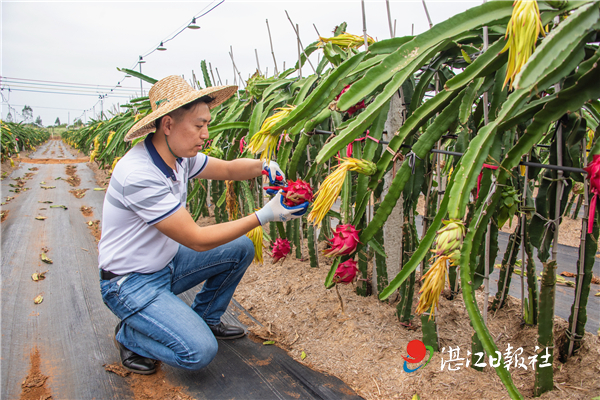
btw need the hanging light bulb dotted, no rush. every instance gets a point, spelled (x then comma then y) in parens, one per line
(193, 24)
(141, 61)
(118, 84)
(161, 47)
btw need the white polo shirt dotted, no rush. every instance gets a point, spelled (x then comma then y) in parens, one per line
(143, 190)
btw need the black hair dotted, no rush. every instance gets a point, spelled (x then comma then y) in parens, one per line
(204, 99)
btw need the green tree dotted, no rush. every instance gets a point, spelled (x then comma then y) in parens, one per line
(57, 122)
(38, 120)
(27, 113)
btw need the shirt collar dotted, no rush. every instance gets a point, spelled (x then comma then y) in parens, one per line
(157, 159)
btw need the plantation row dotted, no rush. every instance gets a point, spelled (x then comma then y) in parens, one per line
(497, 114)
(19, 137)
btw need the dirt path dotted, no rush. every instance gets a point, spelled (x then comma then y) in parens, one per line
(70, 331)
(63, 326)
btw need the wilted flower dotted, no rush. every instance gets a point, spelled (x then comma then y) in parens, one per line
(522, 32)
(281, 248)
(332, 186)
(435, 280)
(114, 164)
(344, 241)
(231, 202)
(264, 141)
(346, 40)
(110, 137)
(345, 272)
(447, 249)
(256, 235)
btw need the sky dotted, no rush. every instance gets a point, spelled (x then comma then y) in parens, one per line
(73, 49)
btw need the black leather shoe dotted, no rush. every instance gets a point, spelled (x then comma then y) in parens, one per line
(134, 362)
(224, 331)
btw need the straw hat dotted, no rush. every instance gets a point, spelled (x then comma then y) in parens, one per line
(169, 94)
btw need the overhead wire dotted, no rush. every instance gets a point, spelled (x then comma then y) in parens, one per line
(79, 89)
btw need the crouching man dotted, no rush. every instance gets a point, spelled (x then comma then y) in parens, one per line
(151, 249)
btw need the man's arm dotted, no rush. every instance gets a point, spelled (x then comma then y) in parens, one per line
(239, 169)
(181, 228)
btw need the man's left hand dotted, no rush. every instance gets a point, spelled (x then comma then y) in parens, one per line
(275, 174)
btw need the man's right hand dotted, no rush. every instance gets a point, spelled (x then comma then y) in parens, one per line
(276, 211)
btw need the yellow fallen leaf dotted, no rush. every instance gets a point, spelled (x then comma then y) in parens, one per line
(40, 218)
(303, 355)
(99, 189)
(45, 259)
(416, 397)
(90, 223)
(39, 276)
(269, 342)
(597, 294)
(38, 299)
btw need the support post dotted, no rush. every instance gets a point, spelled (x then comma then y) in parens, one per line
(272, 52)
(364, 18)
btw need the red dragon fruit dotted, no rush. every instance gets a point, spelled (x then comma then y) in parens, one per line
(355, 107)
(281, 248)
(345, 272)
(295, 193)
(344, 241)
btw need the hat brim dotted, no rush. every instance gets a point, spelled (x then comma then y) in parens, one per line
(146, 125)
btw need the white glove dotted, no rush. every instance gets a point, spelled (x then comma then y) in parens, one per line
(274, 172)
(276, 211)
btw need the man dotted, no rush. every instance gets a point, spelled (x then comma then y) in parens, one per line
(151, 249)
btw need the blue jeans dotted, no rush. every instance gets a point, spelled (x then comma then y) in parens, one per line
(159, 325)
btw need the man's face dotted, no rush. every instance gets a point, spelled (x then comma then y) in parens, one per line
(189, 130)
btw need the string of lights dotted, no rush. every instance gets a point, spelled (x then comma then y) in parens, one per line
(10, 84)
(56, 83)
(191, 25)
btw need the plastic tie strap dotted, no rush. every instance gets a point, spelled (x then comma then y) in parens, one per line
(411, 161)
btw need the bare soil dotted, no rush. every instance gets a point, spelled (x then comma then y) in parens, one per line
(73, 179)
(149, 387)
(102, 175)
(87, 211)
(363, 345)
(78, 193)
(54, 160)
(6, 168)
(95, 230)
(34, 385)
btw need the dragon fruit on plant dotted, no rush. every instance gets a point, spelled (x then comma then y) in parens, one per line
(296, 192)
(344, 241)
(281, 248)
(345, 272)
